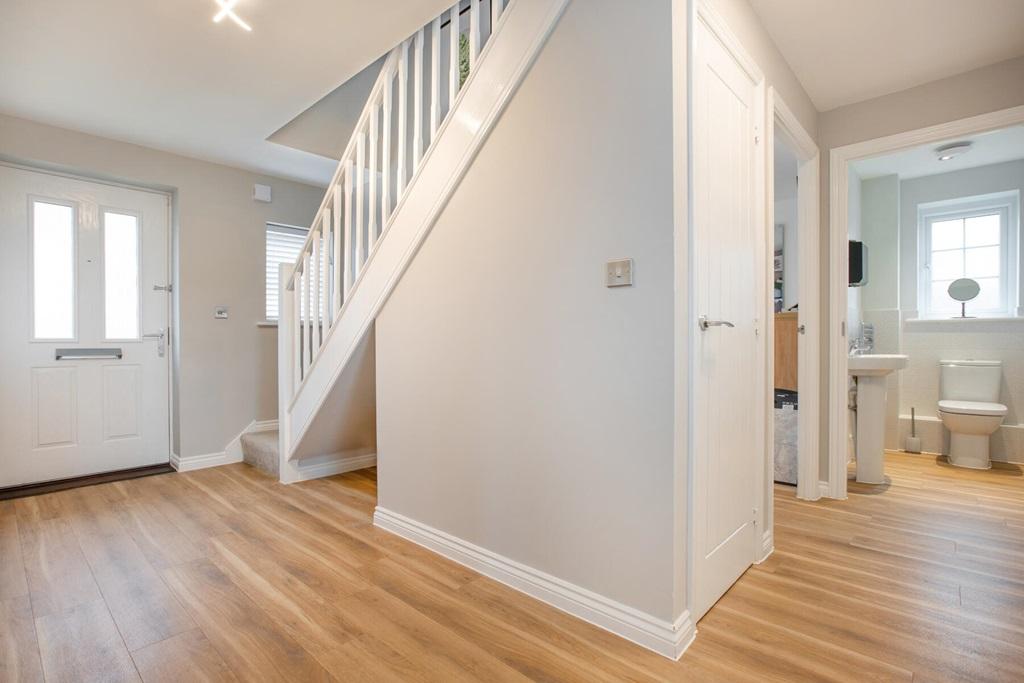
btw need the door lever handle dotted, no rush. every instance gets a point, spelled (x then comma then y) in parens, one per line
(704, 323)
(161, 337)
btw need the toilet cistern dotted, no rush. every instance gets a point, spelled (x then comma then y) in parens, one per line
(870, 371)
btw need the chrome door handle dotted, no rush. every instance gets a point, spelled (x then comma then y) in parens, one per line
(161, 337)
(163, 288)
(801, 329)
(704, 323)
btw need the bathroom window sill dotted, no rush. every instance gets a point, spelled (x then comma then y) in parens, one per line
(972, 324)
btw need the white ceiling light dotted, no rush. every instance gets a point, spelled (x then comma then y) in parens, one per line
(227, 9)
(947, 152)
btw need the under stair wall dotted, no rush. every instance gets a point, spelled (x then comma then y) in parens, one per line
(525, 410)
(407, 156)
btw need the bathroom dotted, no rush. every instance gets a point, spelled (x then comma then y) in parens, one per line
(935, 258)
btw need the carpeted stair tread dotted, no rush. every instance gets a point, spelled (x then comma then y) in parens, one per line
(260, 450)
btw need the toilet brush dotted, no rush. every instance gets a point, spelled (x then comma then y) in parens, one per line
(913, 444)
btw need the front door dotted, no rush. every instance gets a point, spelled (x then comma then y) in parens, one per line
(728, 392)
(83, 341)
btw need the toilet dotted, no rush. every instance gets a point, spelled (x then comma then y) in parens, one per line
(969, 408)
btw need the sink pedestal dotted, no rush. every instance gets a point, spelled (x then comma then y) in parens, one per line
(871, 429)
(870, 372)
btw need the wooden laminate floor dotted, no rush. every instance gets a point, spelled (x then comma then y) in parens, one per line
(223, 574)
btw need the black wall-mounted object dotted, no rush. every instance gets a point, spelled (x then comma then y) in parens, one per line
(858, 264)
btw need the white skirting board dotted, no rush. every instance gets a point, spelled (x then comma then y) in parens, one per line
(231, 454)
(666, 638)
(329, 465)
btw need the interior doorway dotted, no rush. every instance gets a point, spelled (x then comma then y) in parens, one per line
(793, 372)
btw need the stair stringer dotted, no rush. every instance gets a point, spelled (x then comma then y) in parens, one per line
(503, 64)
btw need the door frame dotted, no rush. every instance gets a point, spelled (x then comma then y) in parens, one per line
(172, 273)
(839, 160)
(784, 124)
(703, 12)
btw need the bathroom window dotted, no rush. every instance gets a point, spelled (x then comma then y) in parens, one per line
(974, 237)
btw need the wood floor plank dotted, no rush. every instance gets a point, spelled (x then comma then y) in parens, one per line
(19, 650)
(81, 643)
(252, 645)
(142, 606)
(58, 574)
(185, 658)
(12, 567)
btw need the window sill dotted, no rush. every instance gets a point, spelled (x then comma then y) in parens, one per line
(972, 324)
(267, 323)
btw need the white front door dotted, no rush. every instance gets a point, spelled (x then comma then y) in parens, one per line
(727, 387)
(85, 369)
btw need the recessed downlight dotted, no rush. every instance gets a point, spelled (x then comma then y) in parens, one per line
(227, 9)
(952, 150)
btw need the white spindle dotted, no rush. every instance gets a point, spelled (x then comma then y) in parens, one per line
(349, 254)
(314, 312)
(339, 266)
(474, 33)
(307, 281)
(325, 276)
(385, 157)
(403, 115)
(435, 77)
(497, 6)
(371, 228)
(417, 101)
(296, 315)
(453, 56)
(360, 192)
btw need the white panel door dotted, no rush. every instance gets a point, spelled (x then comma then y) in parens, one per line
(726, 355)
(78, 265)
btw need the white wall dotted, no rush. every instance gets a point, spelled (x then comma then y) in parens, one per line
(975, 92)
(227, 369)
(786, 214)
(853, 294)
(522, 405)
(929, 342)
(880, 230)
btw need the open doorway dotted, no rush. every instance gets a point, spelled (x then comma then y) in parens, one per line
(895, 302)
(793, 370)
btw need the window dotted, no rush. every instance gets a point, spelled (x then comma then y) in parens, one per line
(283, 246)
(120, 232)
(974, 237)
(53, 270)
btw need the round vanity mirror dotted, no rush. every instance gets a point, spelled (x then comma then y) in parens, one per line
(963, 290)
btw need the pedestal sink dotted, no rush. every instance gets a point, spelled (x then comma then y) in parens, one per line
(870, 371)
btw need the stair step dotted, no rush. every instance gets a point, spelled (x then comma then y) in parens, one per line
(260, 449)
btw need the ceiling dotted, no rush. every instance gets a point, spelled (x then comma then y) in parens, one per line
(994, 147)
(847, 51)
(163, 75)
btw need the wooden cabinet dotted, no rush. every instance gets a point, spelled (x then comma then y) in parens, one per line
(785, 350)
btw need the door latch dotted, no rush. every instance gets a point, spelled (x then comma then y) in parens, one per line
(163, 288)
(161, 341)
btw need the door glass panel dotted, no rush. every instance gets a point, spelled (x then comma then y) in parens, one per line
(121, 275)
(53, 271)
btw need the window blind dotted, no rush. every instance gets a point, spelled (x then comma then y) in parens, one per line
(283, 246)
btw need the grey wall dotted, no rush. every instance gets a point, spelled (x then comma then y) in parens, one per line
(227, 374)
(522, 406)
(988, 89)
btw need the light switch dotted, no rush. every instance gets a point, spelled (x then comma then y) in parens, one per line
(220, 312)
(619, 273)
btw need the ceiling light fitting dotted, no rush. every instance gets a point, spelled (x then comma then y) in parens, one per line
(227, 9)
(947, 152)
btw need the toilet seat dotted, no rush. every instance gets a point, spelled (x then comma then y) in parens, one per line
(972, 408)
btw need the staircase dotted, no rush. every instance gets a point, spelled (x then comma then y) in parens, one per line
(438, 95)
